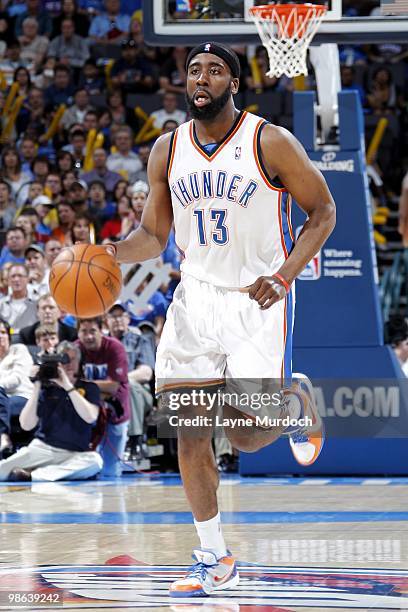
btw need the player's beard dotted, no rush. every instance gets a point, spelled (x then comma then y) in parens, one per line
(210, 110)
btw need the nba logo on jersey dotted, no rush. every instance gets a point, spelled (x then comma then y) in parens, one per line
(237, 152)
(313, 270)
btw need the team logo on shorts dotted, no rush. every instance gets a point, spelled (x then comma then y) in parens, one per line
(270, 588)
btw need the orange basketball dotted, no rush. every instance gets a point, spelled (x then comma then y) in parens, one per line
(85, 280)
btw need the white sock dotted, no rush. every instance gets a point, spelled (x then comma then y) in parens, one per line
(210, 534)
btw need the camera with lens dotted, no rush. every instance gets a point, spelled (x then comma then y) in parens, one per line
(48, 363)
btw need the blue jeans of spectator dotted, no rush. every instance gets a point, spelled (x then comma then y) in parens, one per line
(9, 406)
(112, 448)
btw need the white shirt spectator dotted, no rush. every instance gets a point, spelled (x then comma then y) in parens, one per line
(19, 312)
(129, 164)
(161, 116)
(14, 371)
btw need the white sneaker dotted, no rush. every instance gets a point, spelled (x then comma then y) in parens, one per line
(305, 442)
(209, 574)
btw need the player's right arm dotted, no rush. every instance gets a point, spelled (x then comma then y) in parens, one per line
(150, 238)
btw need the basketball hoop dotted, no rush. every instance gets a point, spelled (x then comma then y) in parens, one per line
(286, 30)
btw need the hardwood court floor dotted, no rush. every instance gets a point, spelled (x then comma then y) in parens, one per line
(303, 544)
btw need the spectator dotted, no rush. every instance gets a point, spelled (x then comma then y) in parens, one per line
(119, 113)
(348, 82)
(100, 172)
(53, 186)
(66, 217)
(144, 154)
(98, 206)
(169, 111)
(17, 308)
(34, 10)
(141, 366)
(43, 207)
(68, 47)
(61, 90)
(120, 190)
(105, 362)
(49, 315)
(173, 73)
(384, 96)
(33, 46)
(41, 168)
(46, 340)
(12, 61)
(118, 226)
(169, 126)
(132, 72)
(63, 409)
(38, 271)
(28, 152)
(111, 26)
(68, 179)
(155, 309)
(136, 35)
(81, 229)
(91, 79)
(32, 113)
(13, 174)
(124, 161)
(52, 249)
(65, 162)
(76, 146)
(15, 365)
(69, 11)
(7, 206)
(90, 121)
(35, 189)
(140, 191)
(78, 196)
(259, 79)
(76, 113)
(28, 219)
(396, 332)
(23, 78)
(16, 244)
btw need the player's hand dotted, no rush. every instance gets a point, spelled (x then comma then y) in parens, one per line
(266, 290)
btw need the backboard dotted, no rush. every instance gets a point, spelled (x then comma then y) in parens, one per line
(190, 22)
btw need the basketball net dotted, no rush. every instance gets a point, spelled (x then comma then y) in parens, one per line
(286, 31)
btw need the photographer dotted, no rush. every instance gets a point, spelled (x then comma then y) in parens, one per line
(63, 407)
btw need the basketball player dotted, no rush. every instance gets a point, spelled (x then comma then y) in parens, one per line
(226, 178)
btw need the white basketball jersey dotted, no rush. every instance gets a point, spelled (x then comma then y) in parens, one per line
(231, 223)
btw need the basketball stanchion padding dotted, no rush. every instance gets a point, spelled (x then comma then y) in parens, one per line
(85, 280)
(286, 30)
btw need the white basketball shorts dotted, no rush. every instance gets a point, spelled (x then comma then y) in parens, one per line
(214, 333)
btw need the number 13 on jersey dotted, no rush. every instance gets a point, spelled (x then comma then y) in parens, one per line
(218, 229)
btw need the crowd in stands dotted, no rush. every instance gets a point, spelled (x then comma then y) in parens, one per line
(82, 100)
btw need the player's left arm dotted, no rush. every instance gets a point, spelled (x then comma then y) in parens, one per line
(284, 157)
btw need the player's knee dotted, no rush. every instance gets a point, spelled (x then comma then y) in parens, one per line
(193, 444)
